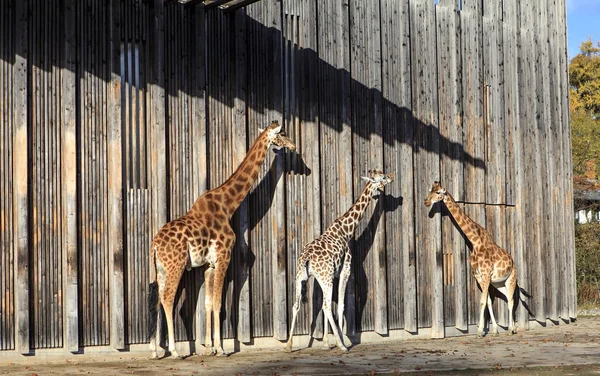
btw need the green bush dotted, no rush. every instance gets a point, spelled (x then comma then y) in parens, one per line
(587, 253)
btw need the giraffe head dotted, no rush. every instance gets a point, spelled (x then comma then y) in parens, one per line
(276, 136)
(379, 180)
(438, 193)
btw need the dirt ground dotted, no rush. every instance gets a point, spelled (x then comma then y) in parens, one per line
(566, 349)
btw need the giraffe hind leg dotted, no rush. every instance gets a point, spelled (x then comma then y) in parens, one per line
(301, 278)
(153, 319)
(219, 280)
(168, 300)
(209, 275)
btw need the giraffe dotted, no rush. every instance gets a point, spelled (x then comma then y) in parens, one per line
(329, 255)
(204, 237)
(491, 265)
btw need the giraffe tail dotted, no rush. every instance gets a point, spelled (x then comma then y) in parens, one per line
(152, 297)
(152, 309)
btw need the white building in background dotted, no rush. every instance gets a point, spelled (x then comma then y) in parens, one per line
(587, 216)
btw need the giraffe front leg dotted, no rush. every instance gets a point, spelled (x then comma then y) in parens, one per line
(344, 276)
(484, 283)
(327, 287)
(208, 307)
(219, 280)
(329, 317)
(492, 318)
(509, 292)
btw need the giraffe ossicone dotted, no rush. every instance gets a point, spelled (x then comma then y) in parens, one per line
(203, 236)
(329, 254)
(491, 265)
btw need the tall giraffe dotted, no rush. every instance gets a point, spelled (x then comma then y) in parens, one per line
(329, 255)
(203, 236)
(491, 265)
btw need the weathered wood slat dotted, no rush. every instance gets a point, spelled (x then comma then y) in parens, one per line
(367, 152)
(398, 152)
(532, 172)
(570, 291)
(7, 232)
(303, 196)
(427, 166)
(69, 177)
(20, 178)
(337, 180)
(451, 164)
(115, 188)
(473, 95)
(493, 109)
(277, 210)
(514, 149)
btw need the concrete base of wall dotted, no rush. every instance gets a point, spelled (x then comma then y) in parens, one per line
(260, 344)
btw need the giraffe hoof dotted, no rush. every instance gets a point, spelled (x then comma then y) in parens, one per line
(210, 351)
(175, 355)
(154, 356)
(288, 348)
(223, 353)
(494, 333)
(479, 334)
(344, 349)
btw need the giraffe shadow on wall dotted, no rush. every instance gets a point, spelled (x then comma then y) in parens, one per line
(361, 248)
(291, 163)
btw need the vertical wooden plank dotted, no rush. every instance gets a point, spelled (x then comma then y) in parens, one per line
(7, 228)
(157, 120)
(493, 109)
(20, 177)
(370, 271)
(115, 193)
(69, 179)
(451, 165)
(199, 137)
(241, 219)
(335, 132)
(427, 165)
(514, 144)
(556, 156)
(302, 170)
(473, 120)
(493, 81)
(528, 108)
(548, 151)
(398, 151)
(278, 235)
(570, 288)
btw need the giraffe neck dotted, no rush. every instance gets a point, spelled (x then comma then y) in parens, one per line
(347, 223)
(472, 230)
(238, 185)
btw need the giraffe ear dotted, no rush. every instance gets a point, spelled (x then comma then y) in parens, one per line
(261, 130)
(277, 129)
(368, 179)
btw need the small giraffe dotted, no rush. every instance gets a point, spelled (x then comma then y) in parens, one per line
(489, 262)
(203, 236)
(329, 255)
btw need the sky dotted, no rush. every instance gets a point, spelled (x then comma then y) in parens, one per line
(583, 22)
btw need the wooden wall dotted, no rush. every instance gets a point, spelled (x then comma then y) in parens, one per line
(115, 116)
